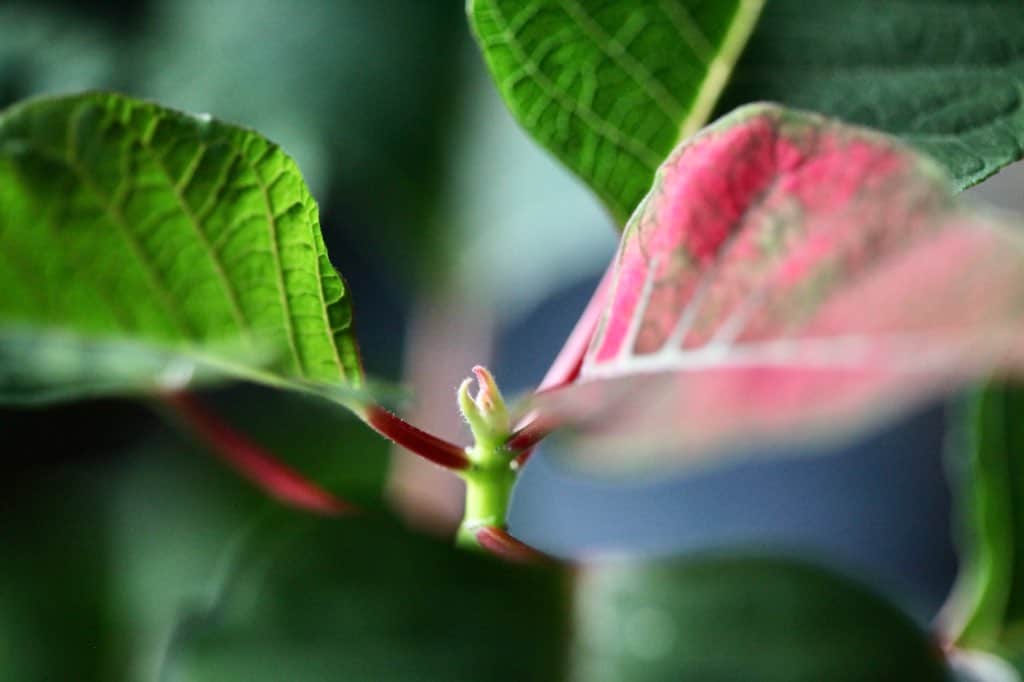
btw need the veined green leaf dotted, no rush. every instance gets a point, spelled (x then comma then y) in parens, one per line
(945, 76)
(610, 88)
(124, 225)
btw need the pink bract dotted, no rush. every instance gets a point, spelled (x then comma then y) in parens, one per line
(789, 277)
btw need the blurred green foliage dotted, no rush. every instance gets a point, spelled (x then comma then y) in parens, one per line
(362, 599)
(103, 555)
(743, 618)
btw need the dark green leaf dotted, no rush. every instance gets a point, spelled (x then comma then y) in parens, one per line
(312, 436)
(43, 608)
(101, 558)
(946, 76)
(610, 88)
(735, 619)
(124, 223)
(360, 599)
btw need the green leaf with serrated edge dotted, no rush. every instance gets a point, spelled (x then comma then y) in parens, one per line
(789, 278)
(361, 599)
(125, 224)
(741, 618)
(610, 88)
(945, 76)
(986, 609)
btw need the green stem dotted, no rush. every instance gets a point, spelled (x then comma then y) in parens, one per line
(488, 491)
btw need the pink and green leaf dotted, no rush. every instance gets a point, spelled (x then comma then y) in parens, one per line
(790, 277)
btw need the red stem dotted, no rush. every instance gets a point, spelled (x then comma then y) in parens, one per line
(417, 441)
(499, 543)
(252, 461)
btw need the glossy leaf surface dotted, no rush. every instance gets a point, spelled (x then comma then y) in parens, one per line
(609, 88)
(126, 224)
(790, 277)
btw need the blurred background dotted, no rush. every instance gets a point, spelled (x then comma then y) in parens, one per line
(462, 243)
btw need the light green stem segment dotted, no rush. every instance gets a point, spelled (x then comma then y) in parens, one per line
(488, 491)
(490, 479)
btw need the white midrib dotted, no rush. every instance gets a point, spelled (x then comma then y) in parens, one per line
(900, 352)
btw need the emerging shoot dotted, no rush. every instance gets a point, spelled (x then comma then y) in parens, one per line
(491, 473)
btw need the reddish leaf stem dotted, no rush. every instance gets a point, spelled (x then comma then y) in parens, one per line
(565, 369)
(252, 461)
(417, 441)
(498, 542)
(526, 438)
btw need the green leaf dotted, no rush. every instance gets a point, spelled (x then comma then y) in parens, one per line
(986, 610)
(48, 528)
(124, 224)
(610, 88)
(104, 551)
(789, 278)
(360, 599)
(945, 76)
(742, 618)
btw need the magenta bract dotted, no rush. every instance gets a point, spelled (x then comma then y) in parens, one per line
(788, 277)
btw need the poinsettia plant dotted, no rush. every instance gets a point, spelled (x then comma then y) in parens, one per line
(786, 274)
